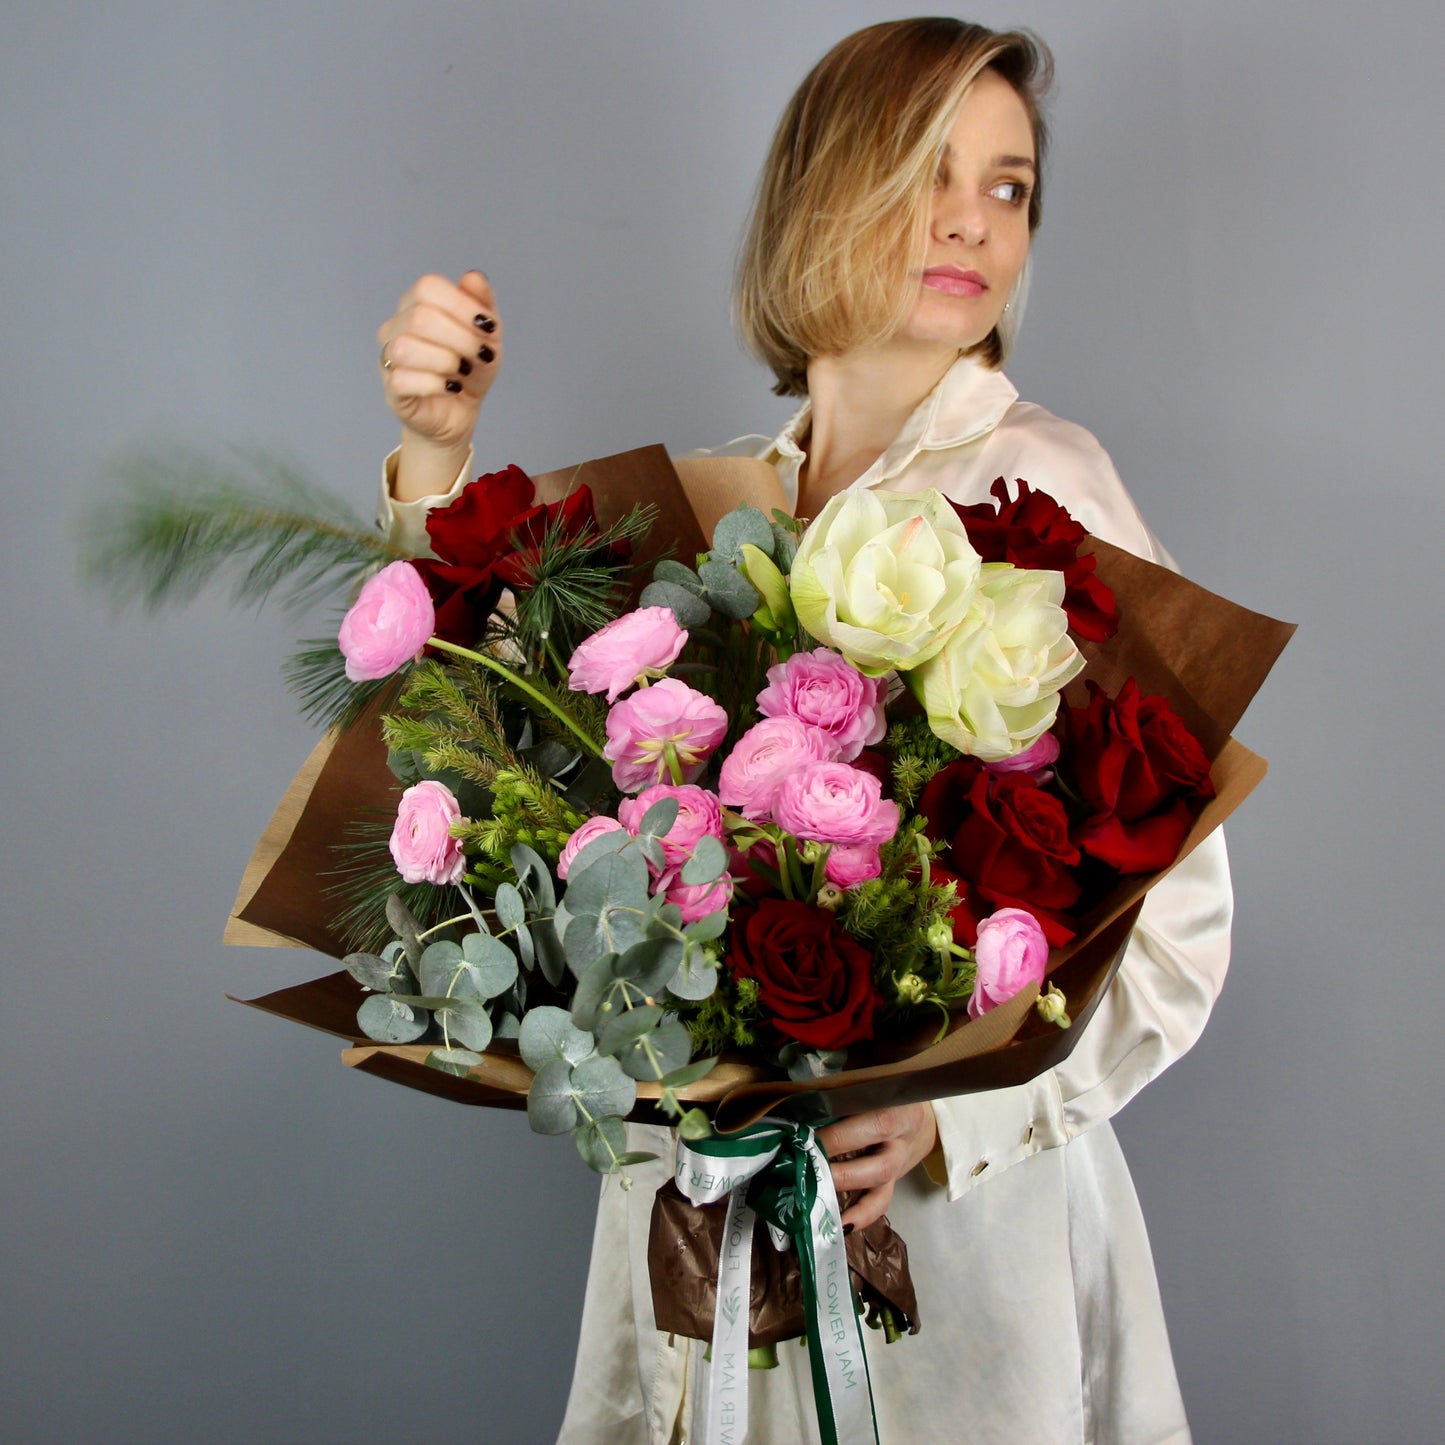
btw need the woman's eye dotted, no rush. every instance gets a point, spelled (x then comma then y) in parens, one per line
(1015, 193)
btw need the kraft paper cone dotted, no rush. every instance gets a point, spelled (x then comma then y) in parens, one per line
(1206, 655)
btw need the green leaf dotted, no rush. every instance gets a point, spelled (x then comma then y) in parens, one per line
(654, 852)
(650, 964)
(533, 877)
(389, 1021)
(511, 911)
(690, 610)
(493, 965)
(602, 1142)
(624, 1031)
(708, 863)
(468, 1022)
(551, 956)
(506, 1026)
(453, 1061)
(658, 1053)
(714, 925)
(696, 979)
(785, 548)
(547, 1035)
(369, 971)
(743, 525)
(614, 872)
(657, 821)
(635, 1156)
(592, 988)
(729, 591)
(403, 923)
(689, 1073)
(600, 1087)
(551, 1108)
(695, 1125)
(669, 570)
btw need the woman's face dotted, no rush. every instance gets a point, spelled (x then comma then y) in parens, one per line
(978, 219)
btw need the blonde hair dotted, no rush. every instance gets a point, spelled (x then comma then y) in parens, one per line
(838, 220)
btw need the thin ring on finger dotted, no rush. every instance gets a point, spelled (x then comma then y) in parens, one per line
(386, 362)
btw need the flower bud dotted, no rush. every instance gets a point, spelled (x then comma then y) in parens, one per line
(1051, 1007)
(911, 989)
(776, 612)
(830, 898)
(939, 936)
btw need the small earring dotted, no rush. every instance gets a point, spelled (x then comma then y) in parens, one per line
(1007, 304)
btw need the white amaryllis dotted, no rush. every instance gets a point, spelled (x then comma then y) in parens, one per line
(993, 689)
(884, 577)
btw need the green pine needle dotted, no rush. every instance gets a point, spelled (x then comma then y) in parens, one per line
(181, 522)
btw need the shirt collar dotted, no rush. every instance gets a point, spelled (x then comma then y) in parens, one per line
(967, 403)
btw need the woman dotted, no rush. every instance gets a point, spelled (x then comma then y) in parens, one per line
(882, 279)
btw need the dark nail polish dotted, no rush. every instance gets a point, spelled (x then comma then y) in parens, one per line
(486, 324)
(453, 385)
(847, 1230)
(486, 353)
(464, 366)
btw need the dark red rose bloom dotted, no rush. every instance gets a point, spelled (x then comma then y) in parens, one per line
(487, 540)
(1007, 839)
(1033, 530)
(1142, 773)
(815, 980)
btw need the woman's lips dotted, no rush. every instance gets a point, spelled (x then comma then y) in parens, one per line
(953, 282)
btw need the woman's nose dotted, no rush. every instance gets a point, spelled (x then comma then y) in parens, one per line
(959, 218)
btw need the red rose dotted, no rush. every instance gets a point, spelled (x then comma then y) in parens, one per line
(488, 539)
(815, 980)
(1007, 838)
(1034, 531)
(1142, 773)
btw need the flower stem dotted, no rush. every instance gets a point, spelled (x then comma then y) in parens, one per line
(522, 686)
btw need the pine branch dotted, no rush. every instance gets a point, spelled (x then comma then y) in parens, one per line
(366, 877)
(182, 522)
(316, 673)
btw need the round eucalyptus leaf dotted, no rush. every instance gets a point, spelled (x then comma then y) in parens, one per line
(592, 988)
(467, 1022)
(369, 971)
(695, 1125)
(742, 525)
(403, 923)
(708, 863)
(443, 970)
(653, 851)
(713, 925)
(599, 848)
(619, 877)
(613, 930)
(696, 979)
(729, 591)
(548, 1036)
(551, 1108)
(689, 1073)
(659, 1053)
(492, 964)
(657, 821)
(600, 1087)
(602, 1142)
(551, 956)
(649, 965)
(389, 1021)
(684, 604)
(624, 1031)
(669, 570)
(511, 911)
(785, 547)
(506, 1026)
(526, 950)
(453, 1061)
(534, 878)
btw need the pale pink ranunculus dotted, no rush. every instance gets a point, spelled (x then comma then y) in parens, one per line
(593, 828)
(1011, 953)
(823, 689)
(850, 864)
(1037, 759)
(421, 840)
(765, 755)
(388, 624)
(696, 900)
(641, 727)
(835, 803)
(698, 815)
(638, 644)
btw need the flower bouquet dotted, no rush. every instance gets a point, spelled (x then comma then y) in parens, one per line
(827, 817)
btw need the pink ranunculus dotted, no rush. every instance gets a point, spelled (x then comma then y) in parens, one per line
(698, 814)
(388, 624)
(1011, 953)
(641, 728)
(1037, 759)
(764, 756)
(824, 690)
(421, 840)
(638, 644)
(850, 864)
(593, 828)
(696, 900)
(835, 803)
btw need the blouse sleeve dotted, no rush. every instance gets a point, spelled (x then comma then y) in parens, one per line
(404, 523)
(1174, 965)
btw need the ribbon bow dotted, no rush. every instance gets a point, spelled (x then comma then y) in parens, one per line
(775, 1169)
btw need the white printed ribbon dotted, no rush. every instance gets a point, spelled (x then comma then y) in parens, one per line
(775, 1169)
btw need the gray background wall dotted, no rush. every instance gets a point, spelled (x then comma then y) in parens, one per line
(208, 1228)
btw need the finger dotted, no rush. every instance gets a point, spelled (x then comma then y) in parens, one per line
(408, 386)
(859, 1131)
(471, 305)
(431, 324)
(868, 1171)
(476, 285)
(868, 1207)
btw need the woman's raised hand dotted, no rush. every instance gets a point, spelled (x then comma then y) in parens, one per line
(871, 1152)
(439, 355)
